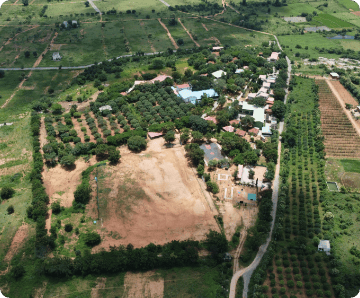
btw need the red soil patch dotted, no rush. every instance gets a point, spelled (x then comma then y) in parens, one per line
(169, 34)
(18, 240)
(357, 13)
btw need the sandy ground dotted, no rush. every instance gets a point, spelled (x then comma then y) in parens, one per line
(80, 106)
(171, 207)
(143, 285)
(205, 27)
(43, 134)
(60, 184)
(18, 240)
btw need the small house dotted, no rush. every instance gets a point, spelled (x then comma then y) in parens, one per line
(334, 75)
(324, 245)
(104, 108)
(234, 122)
(56, 56)
(266, 131)
(251, 96)
(228, 128)
(212, 119)
(263, 95)
(254, 131)
(219, 73)
(240, 133)
(65, 23)
(74, 23)
(274, 57)
(153, 135)
(239, 70)
(183, 87)
(262, 77)
(266, 85)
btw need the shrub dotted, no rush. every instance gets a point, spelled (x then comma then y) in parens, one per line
(136, 143)
(68, 227)
(290, 283)
(55, 207)
(7, 192)
(299, 284)
(17, 271)
(92, 239)
(282, 290)
(10, 209)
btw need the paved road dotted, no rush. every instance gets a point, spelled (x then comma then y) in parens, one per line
(247, 272)
(94, 6)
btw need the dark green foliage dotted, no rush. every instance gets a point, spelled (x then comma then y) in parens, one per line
(7, 192)
(10, 209)
(68, 227)
(137, 143)
(55, 207)
(17, 271)
(92, 239)
(195, 153)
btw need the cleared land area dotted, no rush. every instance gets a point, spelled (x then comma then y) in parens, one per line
(341, 139)
(151, 197)
(330, 21)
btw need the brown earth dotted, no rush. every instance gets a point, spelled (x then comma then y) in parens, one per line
(345, 96)
(18, 240)
(43, 134)
(80, 106)
(205, 27)
(153, 197)
(143, 285)
(357, 13)
(100, 284)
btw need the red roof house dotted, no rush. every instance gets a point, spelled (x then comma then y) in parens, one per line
(228, 128)
(153, 135)
(234, 122)
(254, 130)
(240, 132)
(212, 119)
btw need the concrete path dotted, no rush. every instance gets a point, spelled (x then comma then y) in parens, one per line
(94, 6)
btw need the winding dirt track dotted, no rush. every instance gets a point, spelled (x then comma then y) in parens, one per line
(169, 34)
(187, 31)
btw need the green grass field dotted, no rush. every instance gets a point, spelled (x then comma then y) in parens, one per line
(351, 165)
(349, 4)
(330, 21)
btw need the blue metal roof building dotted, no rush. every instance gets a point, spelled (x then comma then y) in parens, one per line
(194, 96)
(252, 197)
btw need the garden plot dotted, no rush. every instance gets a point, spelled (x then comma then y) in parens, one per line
(341, 139)
(151, 197)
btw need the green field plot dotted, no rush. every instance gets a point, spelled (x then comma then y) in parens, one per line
(15, 14)
(351, 165)
(136, 36)
(139, 6)
(61, 10)
(33, 40)
(8, 84)
(349, 4)
(158, 38)
(349, 17)
(311, 40)
(178, 33)
(330, 21)
(17, 152)
(328, 6)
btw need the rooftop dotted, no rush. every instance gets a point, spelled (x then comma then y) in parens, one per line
(228, 128)
(254, 130)
(107, 107)
(240, 132)
(258, 112)
(212, 119)
(186, 93)
(154, 134)
(218, 74)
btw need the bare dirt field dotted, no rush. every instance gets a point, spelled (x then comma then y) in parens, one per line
(146, 284)
(149, 197)
(345, 96)
(17, 241)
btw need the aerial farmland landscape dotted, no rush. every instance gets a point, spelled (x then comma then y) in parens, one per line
(179, 148)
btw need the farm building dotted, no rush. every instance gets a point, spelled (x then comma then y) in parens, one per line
(324, 245)
(219, 73)
(103, 108)
(212, 119)
(273, 57)
(258, 113)
(217, 48)
(334, 75)
(153, 135)
(74, 23)
(228, 128)
(56, 56)
(65, 23)
(193, 96)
